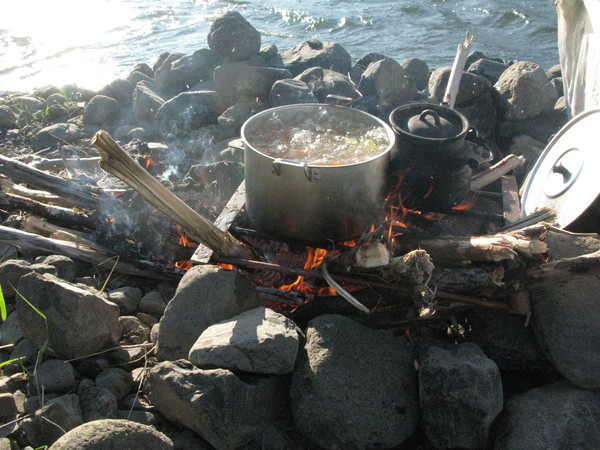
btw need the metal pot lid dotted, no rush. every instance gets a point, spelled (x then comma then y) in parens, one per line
(566, 176)
(431, 125)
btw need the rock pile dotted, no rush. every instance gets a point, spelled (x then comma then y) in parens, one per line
(87, 366)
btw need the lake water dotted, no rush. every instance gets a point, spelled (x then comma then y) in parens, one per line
(92, 42)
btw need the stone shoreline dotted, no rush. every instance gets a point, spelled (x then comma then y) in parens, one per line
(202, 364)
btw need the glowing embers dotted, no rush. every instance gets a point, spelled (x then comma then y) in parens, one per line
(315, 258)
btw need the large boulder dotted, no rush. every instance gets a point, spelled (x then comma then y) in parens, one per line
(121, 90)
(258, 81)
(101, 110)
(113, 434)
(216, 404)
(228, 75)
(97, 403)
(260, 340)
(52, 420)
(188, 111)
(178, 74)
(526, 90)
(327, 55)
(8, 119)
(146, 101)
(388, 84)
(418, 70)
(288, 92)
(205, 295)
(233, 37)
(552, 417)
(471, 86)
(355, 387)
(324, 82)
(58, 133)
(53, 375)
(460, 393)
(76, 321)
(565, 316)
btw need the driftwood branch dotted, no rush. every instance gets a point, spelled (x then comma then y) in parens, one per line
(564, 269)
(496, 171)
(85, 196)
(118, 162)
(457, 69)
(80, 252)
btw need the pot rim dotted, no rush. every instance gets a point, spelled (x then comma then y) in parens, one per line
(388, 130)
(398, 129)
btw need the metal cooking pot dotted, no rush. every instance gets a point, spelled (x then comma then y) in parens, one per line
(313, 203)
(434, 142)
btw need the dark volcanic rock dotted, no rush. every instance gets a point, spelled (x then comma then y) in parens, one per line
(146, 101)
(113, 434)
(259, 80)
(471, 86)
(259, 341)
(78, 322)
(552, 417)
(216, 404)
(178, 74)
(205, 295)
(232, 37)
(324, 82)
(53, 375)
(287, 92)
(187, 111)
(101, 110)
(327, 55)
(355, 387)
(460, 393)
(121, 90)
(59, 133)
(97, 403)
(418, 70)
(491, 70)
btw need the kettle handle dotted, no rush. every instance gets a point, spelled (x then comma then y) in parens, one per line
(313, 174)
(473, 136)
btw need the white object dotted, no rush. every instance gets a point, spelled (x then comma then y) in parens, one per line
(579, 52)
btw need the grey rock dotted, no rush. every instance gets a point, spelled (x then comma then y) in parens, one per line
(564, 316)
(137, 76)
(84, 384)
(26, 353)
(506, 341)
(235, 116)
(126, 298)
(121, 90)
(65, 266)
(460, 394)
(26, 103)
(327, 55)
(418, 70)
(227, 76)
(59, 133)
(324, 82)
(101, 110)
(134, 331)
(11, 272)
(471, 86)
(117, 381)
(369, 58)
(185, 439)
(558, 86)
(488, 69)
(216, 404)
(526, 90)
(260, 340)
(552, 417)
(97, 403)
(153, 303)
(53, 375)
(554, 72)
(78, 322)
(12, 383)
(8, 407)
(8, 119)
(233, 37)
(287, 92)
(205, 295)
(147, 319)
(541, 127)
(10, 330)
(143, 417)
(177, 75)
(8, 444)
(270, 55)
(146, 101)
(113, 434)
(258, 81)
(52, 420)
(144, 69)
(356, 387)
(388, 84)
(188, 111)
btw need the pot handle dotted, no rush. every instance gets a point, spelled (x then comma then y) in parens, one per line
(473, 136)
(313, 174)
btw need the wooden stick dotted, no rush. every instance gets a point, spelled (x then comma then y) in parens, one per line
(85, 196)
(457, 69)
(40, 227)
(80, 252)
(564, 269)
(511, 205)
(34, 194)
(118, 162)
(496, 171)
(57, 214)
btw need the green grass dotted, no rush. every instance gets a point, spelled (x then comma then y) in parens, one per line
(2, 305)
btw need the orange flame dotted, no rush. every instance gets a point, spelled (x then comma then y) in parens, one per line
(467, 204)
(185, 265)
(109, 219)
(314, 260)
(149, 161)
(184, 241)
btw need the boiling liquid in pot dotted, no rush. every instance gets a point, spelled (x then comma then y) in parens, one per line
(320, 139)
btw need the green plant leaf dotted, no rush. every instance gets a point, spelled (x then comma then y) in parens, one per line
(10, 361)
(2, 305)
(38, 312)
